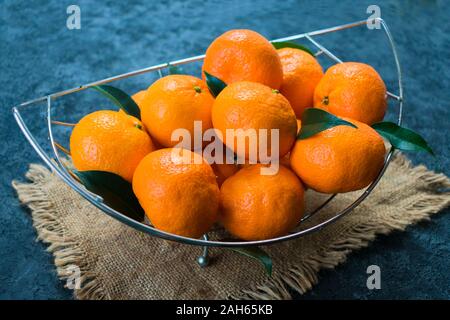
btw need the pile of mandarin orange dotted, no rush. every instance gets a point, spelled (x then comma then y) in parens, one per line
(266, 89)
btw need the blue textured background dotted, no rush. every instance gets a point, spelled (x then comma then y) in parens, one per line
(39, 55)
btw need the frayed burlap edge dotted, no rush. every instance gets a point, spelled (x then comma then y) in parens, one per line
(50, 230)
(300, 277)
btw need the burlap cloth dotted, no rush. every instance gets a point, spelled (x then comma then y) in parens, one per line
(118, 262)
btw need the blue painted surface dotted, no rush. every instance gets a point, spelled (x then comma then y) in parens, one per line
(38, 55)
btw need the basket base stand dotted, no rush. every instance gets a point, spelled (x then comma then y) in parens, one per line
(203, 260)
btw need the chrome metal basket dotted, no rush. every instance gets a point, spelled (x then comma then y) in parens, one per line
(49, 150)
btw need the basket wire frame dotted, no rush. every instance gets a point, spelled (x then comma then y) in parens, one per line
(55, 163)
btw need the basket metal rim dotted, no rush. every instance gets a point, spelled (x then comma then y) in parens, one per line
(59, 169)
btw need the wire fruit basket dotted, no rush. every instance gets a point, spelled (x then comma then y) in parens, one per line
(55, 161)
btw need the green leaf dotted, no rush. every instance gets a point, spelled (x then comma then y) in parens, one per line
(174, 69)
(402, 138)
(317, 120)
(215, 85)
(115, 191)
(258, 254)
(280, 45)
(120, 99)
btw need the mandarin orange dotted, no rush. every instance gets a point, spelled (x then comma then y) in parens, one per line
(301, 74)
(339, 159)
(178, 191)
(243, 55)
(354, 90)
(257, 207)
(109, 141)
(176, 102)
(244, 106)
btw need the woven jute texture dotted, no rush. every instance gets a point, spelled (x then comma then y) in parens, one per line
(118, 262)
